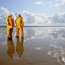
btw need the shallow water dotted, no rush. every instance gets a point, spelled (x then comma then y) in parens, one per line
(40, 46)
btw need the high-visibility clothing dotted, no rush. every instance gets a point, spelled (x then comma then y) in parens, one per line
(19, 22)
(10, 25)
(19, 26)
(10, 22)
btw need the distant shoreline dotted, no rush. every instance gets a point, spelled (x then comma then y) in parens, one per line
(38, 26)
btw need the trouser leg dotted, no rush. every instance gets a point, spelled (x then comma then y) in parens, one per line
(11, 31)
(22, 32)
(8, 32)
(17, 32)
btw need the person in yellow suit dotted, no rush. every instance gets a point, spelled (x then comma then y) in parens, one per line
(10, 25)
(19, 26)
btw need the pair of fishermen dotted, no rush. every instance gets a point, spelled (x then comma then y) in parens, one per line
(10, 25)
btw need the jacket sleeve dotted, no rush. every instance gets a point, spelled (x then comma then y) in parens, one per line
(7, 21)
(13, 21)
(22, 22)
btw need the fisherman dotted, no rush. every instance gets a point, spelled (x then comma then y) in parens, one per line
(19, 26)
(10, 26)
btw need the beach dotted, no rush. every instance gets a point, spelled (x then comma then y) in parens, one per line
(40, 46)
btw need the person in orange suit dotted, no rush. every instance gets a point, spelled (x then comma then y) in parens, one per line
(10, 25)
(19, 26)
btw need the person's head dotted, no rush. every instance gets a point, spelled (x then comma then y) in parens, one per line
(19, 15)
(10, 15)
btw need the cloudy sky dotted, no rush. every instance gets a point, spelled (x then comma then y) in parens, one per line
(38, 11)
(46, 7)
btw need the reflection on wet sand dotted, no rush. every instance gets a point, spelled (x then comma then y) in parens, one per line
(11, 49)
(19, 46)
(43, 46)
(58, 53)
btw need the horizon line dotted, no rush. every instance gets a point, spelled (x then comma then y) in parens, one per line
(37, 26)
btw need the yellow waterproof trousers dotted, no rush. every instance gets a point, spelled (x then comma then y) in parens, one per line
(9, 31)
(19, 29)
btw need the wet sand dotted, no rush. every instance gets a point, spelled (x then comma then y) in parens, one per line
(40, 46)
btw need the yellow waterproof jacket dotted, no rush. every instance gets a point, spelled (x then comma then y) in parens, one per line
(19, 22)
(9, 22)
